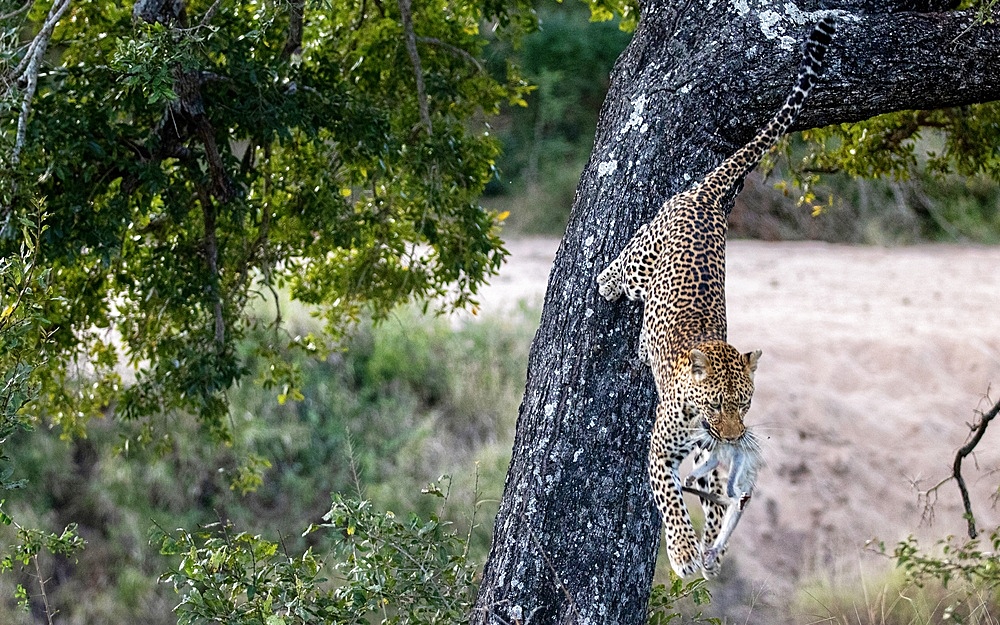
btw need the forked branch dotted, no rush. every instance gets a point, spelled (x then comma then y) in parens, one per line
(978, 430)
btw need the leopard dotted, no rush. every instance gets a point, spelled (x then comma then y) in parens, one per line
(675, 265)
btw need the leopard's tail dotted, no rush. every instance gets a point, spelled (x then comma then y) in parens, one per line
(735, 168)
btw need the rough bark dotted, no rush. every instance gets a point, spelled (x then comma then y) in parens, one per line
(576, 535)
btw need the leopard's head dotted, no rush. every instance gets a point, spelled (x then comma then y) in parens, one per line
(721, 387)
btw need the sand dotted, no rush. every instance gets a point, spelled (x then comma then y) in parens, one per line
(874, 362)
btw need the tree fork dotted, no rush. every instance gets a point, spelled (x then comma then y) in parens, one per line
(576, 534)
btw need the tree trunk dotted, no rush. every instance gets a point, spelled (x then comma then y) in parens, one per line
(576, 535)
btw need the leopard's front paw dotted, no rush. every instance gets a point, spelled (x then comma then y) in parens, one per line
(609, 283)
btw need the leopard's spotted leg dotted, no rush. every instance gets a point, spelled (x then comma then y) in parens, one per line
(611, 281)
(668, 448)
(624, 276)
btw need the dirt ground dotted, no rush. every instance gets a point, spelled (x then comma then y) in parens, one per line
(874, 362)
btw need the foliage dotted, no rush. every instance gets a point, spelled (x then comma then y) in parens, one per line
(23, 285)
(956, 581)
(191, 160)
(359, 417)
(662, 602)
(933, 149)
(960, 561)
(25, 551)
(547, 141)
(413, 571)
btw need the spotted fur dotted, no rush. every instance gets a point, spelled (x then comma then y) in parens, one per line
(676, 265)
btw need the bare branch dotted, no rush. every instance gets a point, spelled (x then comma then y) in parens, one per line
(978, 430)
(411, 49)
(27, 70)
(15, 12)
(210, 13)
(296, 14)
(434, 41)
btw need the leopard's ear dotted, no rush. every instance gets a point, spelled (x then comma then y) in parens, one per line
(700, 368)
(752, 359)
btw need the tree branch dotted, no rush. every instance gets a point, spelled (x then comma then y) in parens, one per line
(880, 63)
(296, 14)
(23, 9)
(978, 430)
(208, 210)
(27, 71)
(411, 49)
(187, 85)
(434, 41)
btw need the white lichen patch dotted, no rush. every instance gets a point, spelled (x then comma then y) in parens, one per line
(635, 117)
(770, 25)
(742, 7)
(607, 167)
(550, 409)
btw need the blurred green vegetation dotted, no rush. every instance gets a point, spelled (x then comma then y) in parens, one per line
(547, 142)
(398, 406)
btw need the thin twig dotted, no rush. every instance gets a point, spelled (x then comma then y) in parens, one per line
(41, 586)
(24, 7)
(210, 13)
(434, 41)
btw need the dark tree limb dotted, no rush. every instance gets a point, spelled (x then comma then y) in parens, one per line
(978, 430)
(902, 61)
(189, 105)
(162, 11)
(211, 250)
